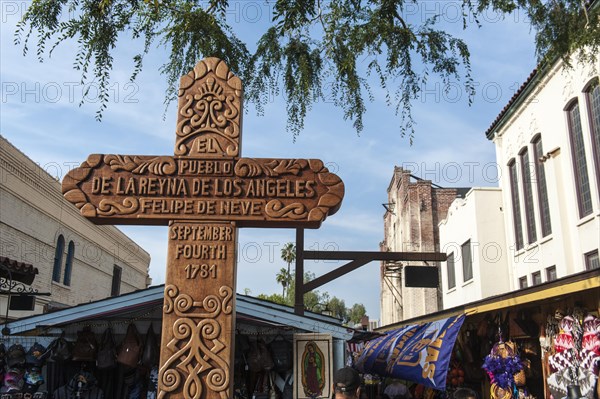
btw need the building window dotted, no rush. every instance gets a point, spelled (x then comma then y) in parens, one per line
(591, 260)
(69, 263)
(116, 281)
(523, 282)
(536, 278)
(514, 191)
(528, 194)
(466, 261)
(582, 183)
(450, 270)
(593, 97)
(58, 255)
(542, 188)
(551, 273)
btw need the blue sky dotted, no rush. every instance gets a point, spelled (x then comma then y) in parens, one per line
(40, 115)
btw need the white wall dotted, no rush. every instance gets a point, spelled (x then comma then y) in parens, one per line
(543, 112)
(479, 218)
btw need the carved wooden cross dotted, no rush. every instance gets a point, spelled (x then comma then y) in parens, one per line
(203, 193)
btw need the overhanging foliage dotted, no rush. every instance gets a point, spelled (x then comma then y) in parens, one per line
(309, 42)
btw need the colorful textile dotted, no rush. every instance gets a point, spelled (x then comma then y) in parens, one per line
(419, 353)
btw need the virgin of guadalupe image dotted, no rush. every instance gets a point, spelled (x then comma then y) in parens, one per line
(313, 370)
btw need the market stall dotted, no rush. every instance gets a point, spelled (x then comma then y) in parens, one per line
(538, 342)
(112, 346)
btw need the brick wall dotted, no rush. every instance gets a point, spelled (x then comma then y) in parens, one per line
(411, 226)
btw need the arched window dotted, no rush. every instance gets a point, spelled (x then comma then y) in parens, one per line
(451, 272)
(60, 249)
(528, 195)
(516, 207)
(582, 183)
(542, 188)
(69, 263)
(593, 98)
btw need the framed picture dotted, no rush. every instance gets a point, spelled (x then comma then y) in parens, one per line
(313, 358)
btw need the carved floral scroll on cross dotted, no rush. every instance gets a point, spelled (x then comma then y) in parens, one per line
(328, 203)
(195, 347)
(209, 115)
(136, 164)
(139, 165)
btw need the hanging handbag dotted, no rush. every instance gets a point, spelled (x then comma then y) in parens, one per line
(266, 360)
(107, 354)
(131, 348)
(85, 347)
(150, 354)
(282, 353)
(253, 359)
(525, 324)
(59, 349)
(242, 345)
(482, 327)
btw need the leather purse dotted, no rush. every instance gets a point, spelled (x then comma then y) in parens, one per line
(253, 358)
(273, 391)
(150, 354)
(59, 350)
(131, 348)
(266, 359)
(85, 347)
(107, 354)
(282, 353)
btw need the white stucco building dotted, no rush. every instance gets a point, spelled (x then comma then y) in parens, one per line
(472, 236)
(547, 141)
(547, 146)
(76, 260)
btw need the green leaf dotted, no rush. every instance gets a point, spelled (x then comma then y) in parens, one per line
(311, 45)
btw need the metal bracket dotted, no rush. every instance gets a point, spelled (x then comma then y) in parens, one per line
(356, 258)
(10, 288)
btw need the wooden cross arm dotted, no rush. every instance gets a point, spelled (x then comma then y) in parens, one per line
(253, 192)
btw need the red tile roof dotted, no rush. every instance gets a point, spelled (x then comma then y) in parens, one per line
(511, 102)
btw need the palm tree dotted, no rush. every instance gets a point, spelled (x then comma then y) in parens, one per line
(288, 254)
(283, 278)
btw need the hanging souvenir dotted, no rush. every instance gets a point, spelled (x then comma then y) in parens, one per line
(505, 370)
(574, 365)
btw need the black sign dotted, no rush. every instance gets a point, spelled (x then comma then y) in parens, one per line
(421, 276)
(21, 302)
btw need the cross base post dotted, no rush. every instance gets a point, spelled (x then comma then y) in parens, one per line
(199, 312)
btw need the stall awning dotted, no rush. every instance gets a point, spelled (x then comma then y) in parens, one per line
(586, 283)
(19, 271)
(141, 302)
(418, 352)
